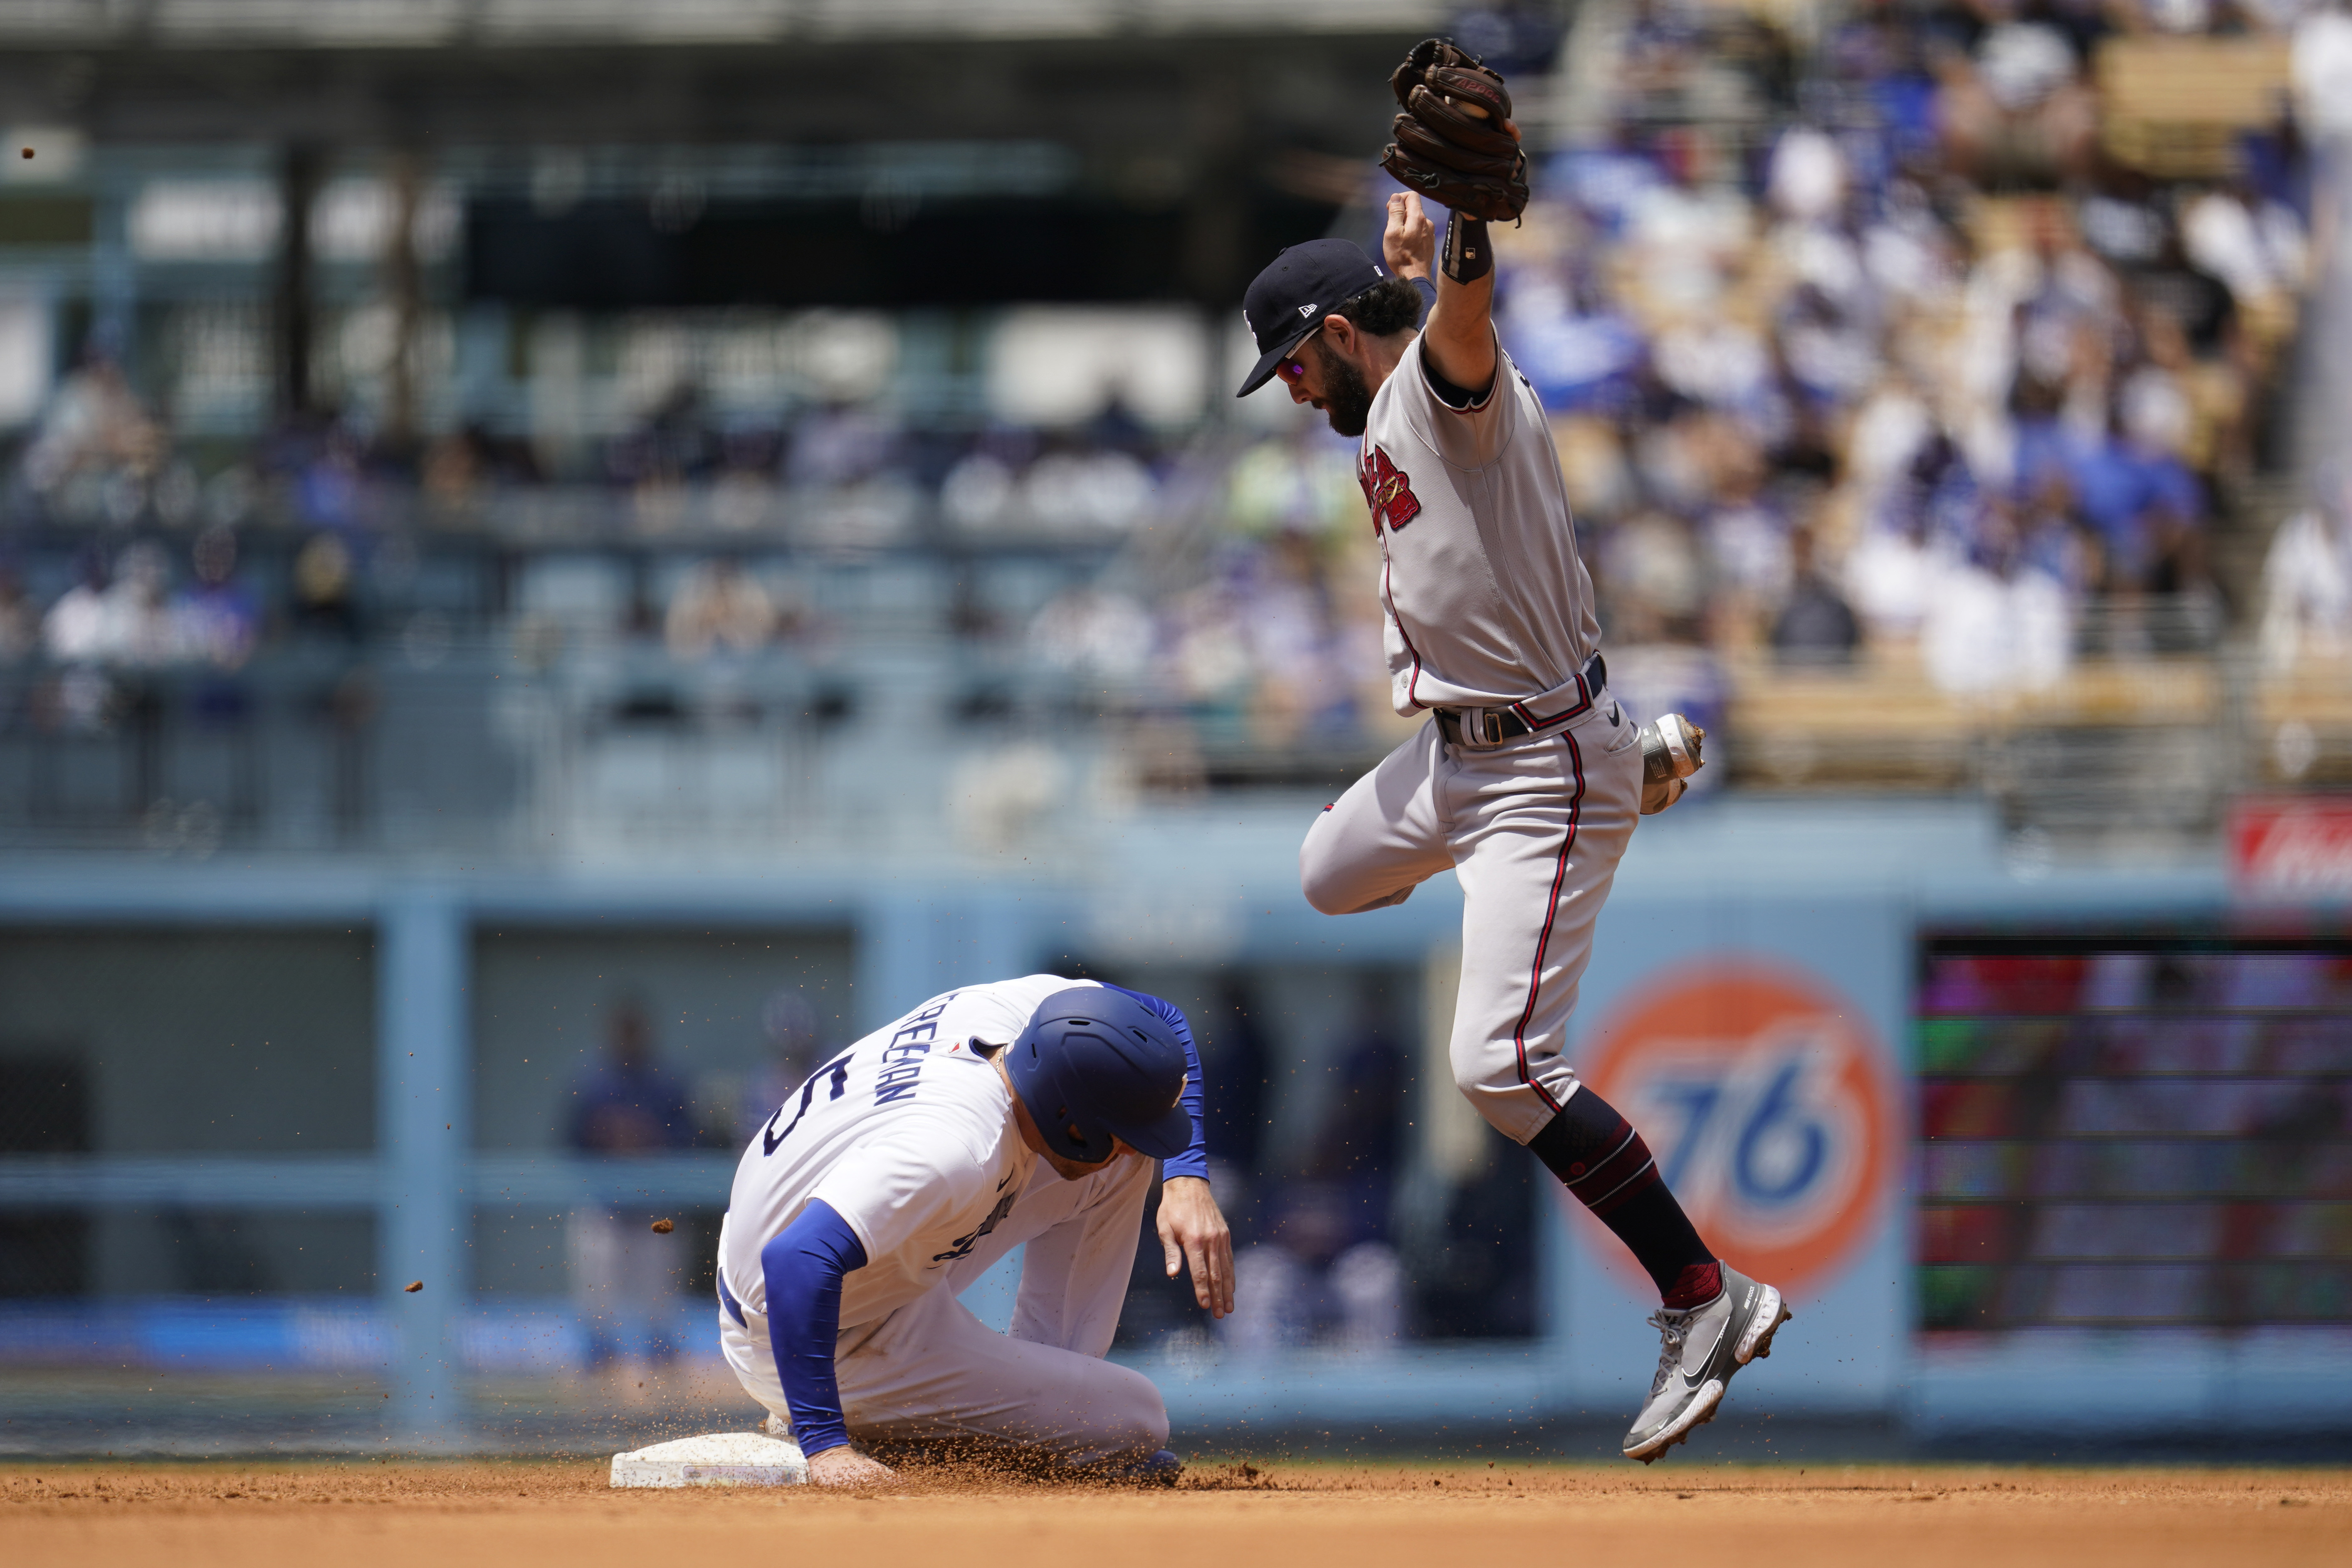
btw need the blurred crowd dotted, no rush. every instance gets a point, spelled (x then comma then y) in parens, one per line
(1868, 345)
(1905, 359)
(1865, 343)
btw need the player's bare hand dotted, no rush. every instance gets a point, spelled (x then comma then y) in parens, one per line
(1410, 243)
(1192, 1232)
(846, 1467)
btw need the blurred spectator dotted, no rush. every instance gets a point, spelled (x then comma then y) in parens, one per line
(1652, 586)
(214, 620)
(1328, 1273)
(1994, 622)
(629, 1105)
(2016, 105)
(624, 1276)
(325, 601)
(1816, 625)
(1361, 1144)
(839, 444)
(1517, 37)
(719, 605)
(977, 493)
(744, 496)
(460, 466)
(2307, 578)
(1093, 632)
(95, 447)
(1747, 546)
(139, 615)
(1310, 1284)
(1073, 487)
(1302, 485)
(1076, 491)
(20, 621)
(78, 627)
(330, 480)
(124, 620)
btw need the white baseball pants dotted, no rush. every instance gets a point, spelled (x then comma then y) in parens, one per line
(931, 1370)
(1534, 829)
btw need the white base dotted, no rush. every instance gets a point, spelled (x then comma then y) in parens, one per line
(714, 1459)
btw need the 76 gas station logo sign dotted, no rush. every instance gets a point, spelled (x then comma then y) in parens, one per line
(1763, 1096)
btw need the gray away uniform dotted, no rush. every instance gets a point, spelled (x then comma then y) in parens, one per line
(1489, 613)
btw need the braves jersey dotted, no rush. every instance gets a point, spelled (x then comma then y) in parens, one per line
(1486, 600)
(909, 1135)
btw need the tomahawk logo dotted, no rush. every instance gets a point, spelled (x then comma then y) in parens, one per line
(1387, 491)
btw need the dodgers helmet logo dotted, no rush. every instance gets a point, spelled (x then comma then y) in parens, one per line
(1763, 1093)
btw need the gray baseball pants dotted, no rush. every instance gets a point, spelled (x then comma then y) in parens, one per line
(1534, 829)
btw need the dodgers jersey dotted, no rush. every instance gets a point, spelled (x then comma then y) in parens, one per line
(1486, 600)
(909, 1135)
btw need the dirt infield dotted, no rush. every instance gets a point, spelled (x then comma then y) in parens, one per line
(456, 1515)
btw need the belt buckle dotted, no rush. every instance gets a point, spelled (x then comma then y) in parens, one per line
(1481, 728)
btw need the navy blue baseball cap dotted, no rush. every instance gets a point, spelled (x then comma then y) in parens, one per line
(1296, 291)
(1094, 1065)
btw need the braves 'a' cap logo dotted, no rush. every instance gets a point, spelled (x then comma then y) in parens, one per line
(1388, 489)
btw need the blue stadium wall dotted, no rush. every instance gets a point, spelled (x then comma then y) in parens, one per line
(1753, 998)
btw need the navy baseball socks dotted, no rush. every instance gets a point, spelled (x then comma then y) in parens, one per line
(1598, 1157)
(1712, 1320)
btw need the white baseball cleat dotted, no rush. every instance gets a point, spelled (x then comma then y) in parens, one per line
(1670, 755)
(1700, 1348)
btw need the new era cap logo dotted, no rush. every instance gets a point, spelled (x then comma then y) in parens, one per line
(1306, 309)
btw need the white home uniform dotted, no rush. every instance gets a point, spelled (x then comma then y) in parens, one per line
(1489, 611)
(910, 1136)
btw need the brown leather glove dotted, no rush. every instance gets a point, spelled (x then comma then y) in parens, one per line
(1454, 142)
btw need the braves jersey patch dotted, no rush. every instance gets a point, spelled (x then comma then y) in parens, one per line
(1387, 490)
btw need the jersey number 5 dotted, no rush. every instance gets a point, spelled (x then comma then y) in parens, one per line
(770, 1139)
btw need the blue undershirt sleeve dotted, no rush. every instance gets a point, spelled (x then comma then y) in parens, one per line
(1192, 1162)
(803, 1268)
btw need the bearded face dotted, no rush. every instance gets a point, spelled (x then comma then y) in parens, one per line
(1346, 399)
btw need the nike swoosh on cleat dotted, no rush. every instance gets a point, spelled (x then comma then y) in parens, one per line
(1694, 1380)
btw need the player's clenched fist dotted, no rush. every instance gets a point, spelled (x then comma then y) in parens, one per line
(1409, 244)
(846, 1467)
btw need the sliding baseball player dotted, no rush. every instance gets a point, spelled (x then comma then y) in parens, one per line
(1025, 1113)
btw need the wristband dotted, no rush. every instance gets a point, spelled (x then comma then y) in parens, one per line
(1468, 256)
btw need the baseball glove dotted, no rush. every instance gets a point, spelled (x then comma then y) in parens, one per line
(1454, 142)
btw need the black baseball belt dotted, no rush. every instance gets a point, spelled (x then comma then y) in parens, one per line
(1482, 727)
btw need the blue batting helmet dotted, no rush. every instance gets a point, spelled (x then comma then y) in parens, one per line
(1094, 1065)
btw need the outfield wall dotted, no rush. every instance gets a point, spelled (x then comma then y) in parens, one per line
(1754, 1001)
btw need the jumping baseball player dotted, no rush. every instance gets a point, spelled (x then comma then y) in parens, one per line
(1528, 778)
(1028, 1112)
